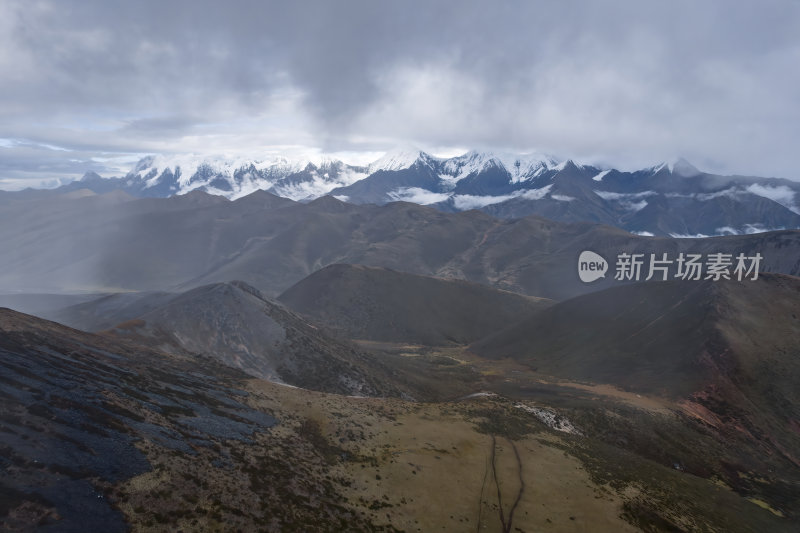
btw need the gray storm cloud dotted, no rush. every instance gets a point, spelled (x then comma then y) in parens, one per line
(627, 83)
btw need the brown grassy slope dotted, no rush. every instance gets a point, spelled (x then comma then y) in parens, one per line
(727, 352)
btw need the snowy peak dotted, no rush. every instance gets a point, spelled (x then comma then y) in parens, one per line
(190, 166)
(660, 200)
(520, 167)
(296, 179)
(400, 159)
(91, 176)
(304, 179)
(678, 167)
(472, 162)
(143, 164)
(567, 165)
(683, 168)
(526, 166)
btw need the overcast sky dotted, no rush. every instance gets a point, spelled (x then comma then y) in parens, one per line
(94, 85)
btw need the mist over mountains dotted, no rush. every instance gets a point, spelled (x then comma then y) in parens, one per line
(84, 242)
(668, 199)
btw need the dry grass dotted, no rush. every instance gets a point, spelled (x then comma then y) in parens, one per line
(425, 467)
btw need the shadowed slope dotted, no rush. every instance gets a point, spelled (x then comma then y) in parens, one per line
(80, 414)
(236, 325)
(107, 311)
(384, 305)
(728, 352)
(664, 336)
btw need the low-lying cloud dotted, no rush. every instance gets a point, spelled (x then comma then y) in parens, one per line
(417, 195)
(780, 193)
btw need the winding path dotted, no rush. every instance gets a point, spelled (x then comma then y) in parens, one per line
(506, 522)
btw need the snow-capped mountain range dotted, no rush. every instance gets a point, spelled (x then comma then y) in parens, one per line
(295, 179)
(673, 198)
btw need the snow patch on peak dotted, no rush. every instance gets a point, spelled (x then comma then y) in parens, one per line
(238, 177)
(678, 167)
(399, 159)
(521, 167)
(561, 166)
(683, 168)
(190, 165)
(278, 165)
(319, 185)
(601, 175)
(144, 163)
(457, 168)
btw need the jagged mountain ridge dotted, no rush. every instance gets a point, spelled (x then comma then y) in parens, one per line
(669, 199)
(161, 177)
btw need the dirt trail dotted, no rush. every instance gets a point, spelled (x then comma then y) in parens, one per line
(521, 486)
(506, 521)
